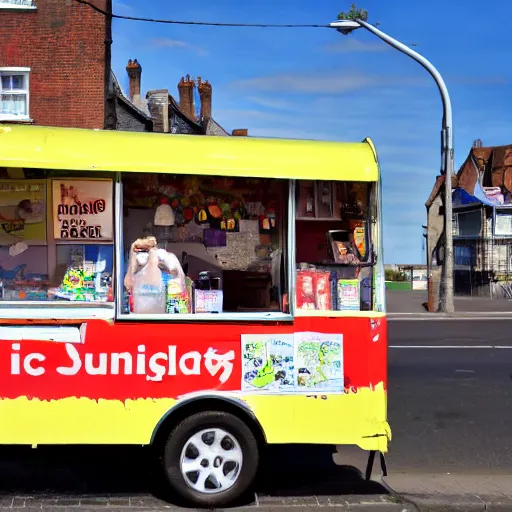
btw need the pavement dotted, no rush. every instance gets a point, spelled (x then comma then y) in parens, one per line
(447, 492)
(450, 388)
(408, 304)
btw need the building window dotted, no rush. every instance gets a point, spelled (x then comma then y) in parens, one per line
(14, 94)
(503, 225)
(17, 4)
(469, 223)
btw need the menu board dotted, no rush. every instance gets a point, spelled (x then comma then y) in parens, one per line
(82, 209)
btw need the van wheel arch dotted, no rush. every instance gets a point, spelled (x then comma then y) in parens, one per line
(192, 406)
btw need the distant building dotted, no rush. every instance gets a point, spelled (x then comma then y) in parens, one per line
(415, 274)
(482, 222)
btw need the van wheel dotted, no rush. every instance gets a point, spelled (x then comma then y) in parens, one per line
(211, 459)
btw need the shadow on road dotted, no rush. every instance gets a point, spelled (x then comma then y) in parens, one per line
(299, 470)
(125, 471)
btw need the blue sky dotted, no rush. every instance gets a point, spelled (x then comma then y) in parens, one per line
(315, 83)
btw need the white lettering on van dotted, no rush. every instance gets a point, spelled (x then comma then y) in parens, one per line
(31, 369)
(190, 369)
(28, 362)
(154, 367)
(214, 362)
(75, 360)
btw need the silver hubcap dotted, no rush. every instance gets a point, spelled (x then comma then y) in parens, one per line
(211, 461)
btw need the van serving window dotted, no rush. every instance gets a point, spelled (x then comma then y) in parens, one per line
(56, 239)
(203, 245)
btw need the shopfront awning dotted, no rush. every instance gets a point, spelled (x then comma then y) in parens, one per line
(101, 150)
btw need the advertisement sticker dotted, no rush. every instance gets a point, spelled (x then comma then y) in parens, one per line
(268, 362)
(319, 361)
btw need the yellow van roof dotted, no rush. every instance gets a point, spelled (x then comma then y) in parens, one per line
(105, 150)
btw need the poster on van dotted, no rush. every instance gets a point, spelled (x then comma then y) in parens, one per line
(319, 361)
(268, 362)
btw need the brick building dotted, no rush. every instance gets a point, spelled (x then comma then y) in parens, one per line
(52, 62)
(55, 67)
(55, 70)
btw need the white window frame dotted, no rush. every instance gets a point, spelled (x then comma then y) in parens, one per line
(18, 5)
(26, 90)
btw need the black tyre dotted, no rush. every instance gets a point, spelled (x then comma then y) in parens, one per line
(211, 459)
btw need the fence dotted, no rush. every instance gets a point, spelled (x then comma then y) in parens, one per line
(483, 267)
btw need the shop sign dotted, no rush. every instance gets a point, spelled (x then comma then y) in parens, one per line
(91, 369)
(82, 209)
(153, 367)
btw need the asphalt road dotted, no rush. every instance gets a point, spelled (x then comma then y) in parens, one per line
(449, 409)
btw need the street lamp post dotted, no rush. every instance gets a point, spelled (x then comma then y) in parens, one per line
(447, 164)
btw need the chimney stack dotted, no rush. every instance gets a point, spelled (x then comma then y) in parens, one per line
(240, 132)
(186, 92)
(158, 105)
(205, 93)
(134, 70)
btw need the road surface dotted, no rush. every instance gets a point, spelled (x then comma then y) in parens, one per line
(450, 408)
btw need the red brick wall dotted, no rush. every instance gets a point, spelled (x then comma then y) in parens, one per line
(63, 42)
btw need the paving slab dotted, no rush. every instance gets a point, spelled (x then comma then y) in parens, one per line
(363, 503)
(448, 492)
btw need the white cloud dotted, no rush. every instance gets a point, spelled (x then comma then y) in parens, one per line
(356, 46)
(253, 114)
(325, 83)
(337, 82)
(165, 42)
(274, 103)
